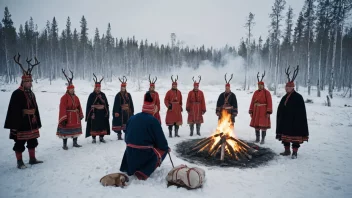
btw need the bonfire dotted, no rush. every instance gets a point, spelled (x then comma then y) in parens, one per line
(224, 142)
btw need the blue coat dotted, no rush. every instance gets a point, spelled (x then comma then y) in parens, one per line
(146, 146)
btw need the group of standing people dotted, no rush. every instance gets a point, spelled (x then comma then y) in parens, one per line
(24, 121)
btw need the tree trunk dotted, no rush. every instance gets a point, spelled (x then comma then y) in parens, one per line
(7, 62)
(308, 65)
(331, 84)
(276, 66)
(326, 65)
(341, 74)
(319, 67)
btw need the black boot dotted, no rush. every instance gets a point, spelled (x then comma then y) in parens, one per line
(170, 131)
(119, 136)
(294, 155)
(257, 135)
(287, 151)
(34, 161)
(75, 144)
(191, 126)
(198, 129)
(20, 164)
(176, 131)
(94, 140)
(64, 144)
(101, 139)
(263, 137)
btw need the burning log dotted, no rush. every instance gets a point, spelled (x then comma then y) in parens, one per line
(222, 143)
(232, 152)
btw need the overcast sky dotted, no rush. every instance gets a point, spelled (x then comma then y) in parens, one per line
(196, 22)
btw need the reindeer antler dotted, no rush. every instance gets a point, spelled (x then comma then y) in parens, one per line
(262, 76)
(149, 79)
(258, 76)
(96, 79)
(172, 78)
(18, 62)
(287, 71)
(228, 80)
(32, 66)
(156, 78)
(200, 78)
(63, 71)
(124, 77)
(295, 73)
(101, 80)
(193, 79)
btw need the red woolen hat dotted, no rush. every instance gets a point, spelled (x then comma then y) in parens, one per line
(123, 84)
(148, 107)
(151, 85)
(227, 85)
(195, 84)
(261, 83)
(97, 85)
(70, 87)
(290, 84)
(27, 78)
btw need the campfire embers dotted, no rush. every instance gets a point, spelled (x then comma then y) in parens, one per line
(223, 148)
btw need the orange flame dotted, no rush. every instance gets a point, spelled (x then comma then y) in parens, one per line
(225, 126)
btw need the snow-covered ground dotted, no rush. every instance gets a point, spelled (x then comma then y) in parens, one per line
(323, 167)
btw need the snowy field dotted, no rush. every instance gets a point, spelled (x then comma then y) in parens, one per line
(323, 167)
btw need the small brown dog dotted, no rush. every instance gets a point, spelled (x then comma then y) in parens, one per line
(114, 179)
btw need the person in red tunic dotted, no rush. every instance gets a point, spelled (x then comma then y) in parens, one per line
(70, 115)
(173, 102)
(23, 117)
(260, 110)
(195, 107)
(155, 96)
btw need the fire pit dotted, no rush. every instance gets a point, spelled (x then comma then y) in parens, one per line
(224, 149)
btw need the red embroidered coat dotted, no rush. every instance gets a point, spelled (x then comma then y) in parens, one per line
(71, 113)
(156, 101)
(173, 101)
(195, 107)
(260, 106)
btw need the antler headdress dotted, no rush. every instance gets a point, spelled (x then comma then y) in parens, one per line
(69, 80)
(290, 82)
(97, 83)
(260, 82)
(152, 82)
(228, 81)
(27, 74)
(195, 83)
(174, 81)
(123, 81)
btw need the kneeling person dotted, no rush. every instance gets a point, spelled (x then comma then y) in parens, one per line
(146, 143)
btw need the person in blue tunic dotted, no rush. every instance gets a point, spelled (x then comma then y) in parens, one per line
(147, 146)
